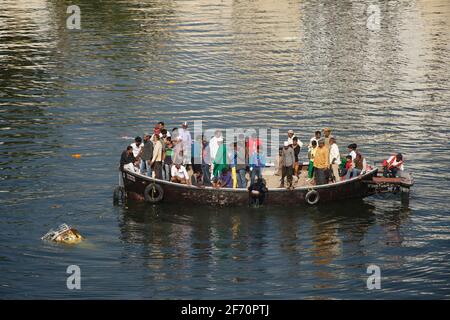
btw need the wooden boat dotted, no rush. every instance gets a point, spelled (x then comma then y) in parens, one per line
(143, 188)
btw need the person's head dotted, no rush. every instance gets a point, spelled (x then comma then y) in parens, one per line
(184, 125)
(314, 144)
(129, 149)
(332, 140)
(321, 142)
(399, 157)
(295, 141)
(164, 133)
(138, 141)
(290, 133)
(348, 158)
(161, 125)
(169, 140)
(286, 145)
(352, 147)
(358, 156)
(318, 134)
(327, 132)
(280, 151)
(147, 137)
(156, 131)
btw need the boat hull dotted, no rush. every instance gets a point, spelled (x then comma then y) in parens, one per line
(135, 184)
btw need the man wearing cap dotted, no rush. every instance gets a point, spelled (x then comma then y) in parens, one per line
(335, 158)
(186, 140)
(288, 159)
(321, 163)
(327, 133)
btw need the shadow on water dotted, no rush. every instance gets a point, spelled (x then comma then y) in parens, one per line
(304, 242)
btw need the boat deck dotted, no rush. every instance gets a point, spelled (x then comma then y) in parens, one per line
(273, 181)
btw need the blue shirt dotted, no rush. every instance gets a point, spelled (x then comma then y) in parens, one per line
(258, 160)
(227, 179)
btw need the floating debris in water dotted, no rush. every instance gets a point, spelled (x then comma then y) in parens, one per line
(64, 234)
(76, 155)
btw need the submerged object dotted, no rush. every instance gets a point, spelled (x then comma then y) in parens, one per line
(64, 234)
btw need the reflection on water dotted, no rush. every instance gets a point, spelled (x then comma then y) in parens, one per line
(251, 64)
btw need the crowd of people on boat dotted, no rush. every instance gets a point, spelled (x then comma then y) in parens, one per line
(208, 161)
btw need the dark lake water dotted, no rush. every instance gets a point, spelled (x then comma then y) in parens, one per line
(249, 64)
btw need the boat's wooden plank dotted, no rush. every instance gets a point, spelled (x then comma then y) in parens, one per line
(387, 180)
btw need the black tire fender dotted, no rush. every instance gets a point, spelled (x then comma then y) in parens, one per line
(312, 197)
(153, 193)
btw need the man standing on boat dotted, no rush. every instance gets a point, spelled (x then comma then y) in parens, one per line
(186, 141)
(213, 147)
(296, 147)
(137, 146)
(220, 160)
(327, 134)
(321, 163)
(335, 158)
(146, 156)
(206, 162)
(288, 158)
(257, 163)
(156, 162)
(317, 136)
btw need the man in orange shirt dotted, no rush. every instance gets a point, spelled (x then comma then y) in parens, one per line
(321, 163)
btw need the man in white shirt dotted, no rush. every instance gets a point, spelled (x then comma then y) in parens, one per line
(291, 137)
(179, 174)
(186, 140)
(335, 158)
(214, 147)
(317, 136)
(137, 146)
